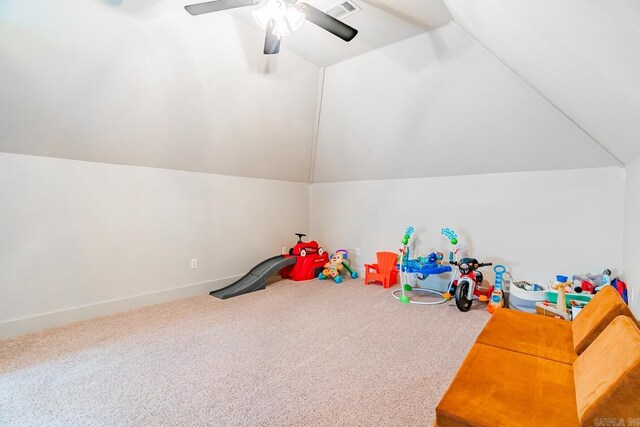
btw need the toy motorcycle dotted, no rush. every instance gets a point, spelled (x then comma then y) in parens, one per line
(469, 283)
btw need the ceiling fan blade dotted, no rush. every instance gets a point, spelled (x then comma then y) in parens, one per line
(216, 5)
(327, 22)
(271, 42)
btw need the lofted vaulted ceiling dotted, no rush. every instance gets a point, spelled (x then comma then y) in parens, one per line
(582, 55)
(379, 23)
(507, 86)
(436, 105)
(147, 84)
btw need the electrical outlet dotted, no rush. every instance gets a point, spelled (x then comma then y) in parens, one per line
(284, 250)
(357, 251)
(194, 262)
(631, 299)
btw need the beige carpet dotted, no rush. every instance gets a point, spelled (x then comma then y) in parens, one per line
(312, 353)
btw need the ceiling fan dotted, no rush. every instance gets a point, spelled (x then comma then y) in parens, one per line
(279, 18)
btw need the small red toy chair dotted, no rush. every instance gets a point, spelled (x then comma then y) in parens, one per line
(384, 271)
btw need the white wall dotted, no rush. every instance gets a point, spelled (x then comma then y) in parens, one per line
(632, 234)
(152, 86)
(538, 223)
(581, 54)
(409, 109)
(75, 236)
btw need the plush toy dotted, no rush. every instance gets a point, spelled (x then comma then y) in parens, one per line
(580, 286)
(591, 282)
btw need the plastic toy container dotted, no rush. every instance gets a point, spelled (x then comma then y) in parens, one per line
(552, 297)
(522, 300)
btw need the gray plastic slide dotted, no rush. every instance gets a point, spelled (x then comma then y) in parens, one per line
(256, 279)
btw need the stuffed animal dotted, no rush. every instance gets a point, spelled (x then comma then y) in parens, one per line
(591, 283)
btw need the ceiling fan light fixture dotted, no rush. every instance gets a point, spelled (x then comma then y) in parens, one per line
(280, 28)
(279, 18)
(295, 18)
(262, 16)
(272, 9)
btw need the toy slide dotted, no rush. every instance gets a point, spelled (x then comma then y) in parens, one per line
(256, 279)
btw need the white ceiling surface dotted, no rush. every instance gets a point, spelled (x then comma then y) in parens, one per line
(379, 23)
(583, 55)
(439, 104)
(141, 82)
(144, 83)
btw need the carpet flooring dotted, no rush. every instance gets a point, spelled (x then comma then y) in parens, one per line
(296, 354)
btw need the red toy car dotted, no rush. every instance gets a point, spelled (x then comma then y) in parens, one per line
(310, 260)
(305, 248)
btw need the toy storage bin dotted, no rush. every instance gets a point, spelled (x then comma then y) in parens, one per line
(552, 297)
(522, 300)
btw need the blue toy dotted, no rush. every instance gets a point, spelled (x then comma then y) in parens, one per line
(420, 267)
(424, 266)
(497, 297)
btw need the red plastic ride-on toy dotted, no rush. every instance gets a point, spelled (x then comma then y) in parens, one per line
(310, 260)
(305, 248)
(468, 283)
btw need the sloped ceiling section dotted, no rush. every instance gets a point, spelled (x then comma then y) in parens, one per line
(141, 82)
(440, 104)
(379, 23)
(582, 55)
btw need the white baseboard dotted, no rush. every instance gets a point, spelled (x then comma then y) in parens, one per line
(24, 325)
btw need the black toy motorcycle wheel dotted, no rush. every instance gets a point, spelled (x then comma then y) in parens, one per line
(462, 302)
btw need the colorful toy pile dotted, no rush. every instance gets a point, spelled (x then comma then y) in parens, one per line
(571, 295)
(563, 298)
(465, 282)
